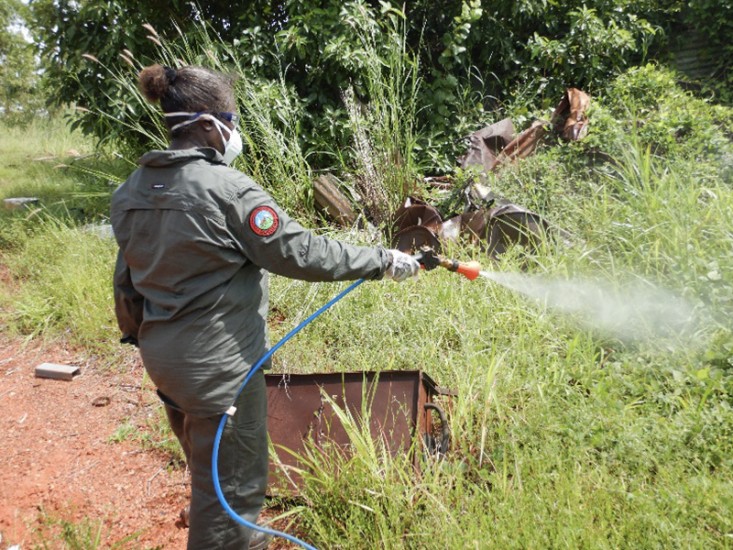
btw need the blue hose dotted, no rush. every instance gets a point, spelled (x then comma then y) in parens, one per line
(217, 439)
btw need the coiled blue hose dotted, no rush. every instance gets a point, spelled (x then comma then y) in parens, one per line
(217, 439)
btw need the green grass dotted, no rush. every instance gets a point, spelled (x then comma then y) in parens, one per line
(556, 442)
(563, 435)
(150, 429)
(55, 531)
(60, 168)
(59, 263)
(65, 272)
(153, 434)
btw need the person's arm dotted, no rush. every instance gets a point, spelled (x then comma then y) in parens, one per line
(270, 239)
(128, 303)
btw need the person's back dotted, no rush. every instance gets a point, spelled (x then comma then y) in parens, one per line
(205, 302)
(197, 240)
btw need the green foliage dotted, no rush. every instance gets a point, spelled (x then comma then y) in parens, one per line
(474, 57)
(19, 100)
(713, 19)
(522, 52)
(658, 113)
(109, 30)
(380, 123)
(590, 47)
(563, 435)
(270, 115)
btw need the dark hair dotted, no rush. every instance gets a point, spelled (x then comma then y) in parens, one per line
(188, 89)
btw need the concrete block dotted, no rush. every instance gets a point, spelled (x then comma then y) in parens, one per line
(16, 203)
(59, 372)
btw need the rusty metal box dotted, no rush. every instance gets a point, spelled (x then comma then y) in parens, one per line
(398, 404)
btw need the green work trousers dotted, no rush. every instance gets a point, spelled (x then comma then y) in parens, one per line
(243, 464)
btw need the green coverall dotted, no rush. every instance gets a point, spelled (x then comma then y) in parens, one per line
(197, 240)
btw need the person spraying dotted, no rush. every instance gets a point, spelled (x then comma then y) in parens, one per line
(197, 240)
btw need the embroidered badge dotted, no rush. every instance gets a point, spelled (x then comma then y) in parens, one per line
(264, 221)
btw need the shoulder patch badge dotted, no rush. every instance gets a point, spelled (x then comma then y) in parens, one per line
(263, 221)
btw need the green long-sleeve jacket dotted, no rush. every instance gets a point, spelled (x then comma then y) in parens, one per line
(197, 240)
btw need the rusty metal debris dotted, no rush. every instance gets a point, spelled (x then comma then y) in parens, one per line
(524, 144)
(570, 119)
(416, 224)
(399, 406)
(493, 222)
(485, 145)
(495, 228)
(496, 145)
(328, 197)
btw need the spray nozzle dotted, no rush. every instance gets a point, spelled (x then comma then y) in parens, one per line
(429, 260)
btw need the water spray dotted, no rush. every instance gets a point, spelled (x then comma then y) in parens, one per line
(639, 312)
(631, 311)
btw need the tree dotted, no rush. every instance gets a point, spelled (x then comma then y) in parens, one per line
(475, 55)
(18, 77)
(70, 33)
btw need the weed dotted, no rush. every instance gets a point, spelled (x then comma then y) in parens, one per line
(86, 534)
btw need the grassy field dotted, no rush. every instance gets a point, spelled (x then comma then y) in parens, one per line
(567, 431)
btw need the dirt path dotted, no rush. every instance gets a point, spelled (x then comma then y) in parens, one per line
(57, 462)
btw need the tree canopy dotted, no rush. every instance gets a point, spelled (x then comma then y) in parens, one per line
(474, 56)
(17, 64)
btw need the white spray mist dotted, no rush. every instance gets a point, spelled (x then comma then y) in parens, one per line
(636, 312)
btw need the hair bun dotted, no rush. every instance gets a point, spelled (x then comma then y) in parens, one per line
(171, 74)
(155, 80)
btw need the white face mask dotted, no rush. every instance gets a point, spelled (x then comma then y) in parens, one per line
(232, 146)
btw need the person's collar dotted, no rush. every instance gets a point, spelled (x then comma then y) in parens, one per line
(169, 157)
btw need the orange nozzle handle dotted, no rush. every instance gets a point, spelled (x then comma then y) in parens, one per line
(470, 270)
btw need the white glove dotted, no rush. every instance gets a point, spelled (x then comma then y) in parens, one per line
(402, 266)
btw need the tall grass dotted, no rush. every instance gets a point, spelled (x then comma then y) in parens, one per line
(61, 169)
(37, 153)
(45, 137)
(53, 257)
(563, 436)
(383, 129)
(381, 161)
(65, 272)
(555, 443)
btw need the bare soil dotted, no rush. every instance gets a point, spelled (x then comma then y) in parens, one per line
(61, 462)
(58, 463)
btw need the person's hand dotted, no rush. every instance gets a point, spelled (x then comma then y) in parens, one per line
(402, 266)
